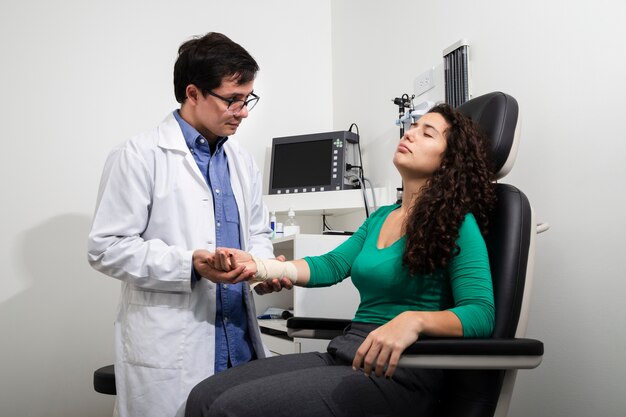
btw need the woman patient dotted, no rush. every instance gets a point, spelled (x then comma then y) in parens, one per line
(421, 269)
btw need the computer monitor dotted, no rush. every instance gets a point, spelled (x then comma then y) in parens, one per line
(313, 162)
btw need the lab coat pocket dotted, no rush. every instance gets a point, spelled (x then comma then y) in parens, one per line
(154, 329)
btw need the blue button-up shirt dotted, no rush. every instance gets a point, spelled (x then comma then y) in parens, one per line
(232, 341)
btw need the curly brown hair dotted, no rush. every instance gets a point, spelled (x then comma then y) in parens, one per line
(462, 184)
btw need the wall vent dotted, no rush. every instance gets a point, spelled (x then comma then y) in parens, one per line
(456, 73)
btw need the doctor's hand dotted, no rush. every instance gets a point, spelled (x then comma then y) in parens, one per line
(227, 259)
(204, 262)
(383, 346)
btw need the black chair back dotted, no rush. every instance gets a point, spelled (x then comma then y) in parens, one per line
(475, 393)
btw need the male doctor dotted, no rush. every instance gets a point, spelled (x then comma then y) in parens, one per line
(168, 197)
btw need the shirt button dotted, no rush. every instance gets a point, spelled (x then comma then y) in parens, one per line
(218, 224)
(201, 140)
(225, 286)
(217, 191)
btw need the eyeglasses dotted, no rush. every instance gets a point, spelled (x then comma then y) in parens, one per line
(235, 106)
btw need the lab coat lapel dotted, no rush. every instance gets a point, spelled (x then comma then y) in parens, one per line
(171, 137)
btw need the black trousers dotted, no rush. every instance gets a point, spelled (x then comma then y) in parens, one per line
(316, 385)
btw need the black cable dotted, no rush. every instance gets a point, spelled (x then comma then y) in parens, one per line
(361, 177)
(349, 167)
(358, 144)
(325, 225)
(363, 191)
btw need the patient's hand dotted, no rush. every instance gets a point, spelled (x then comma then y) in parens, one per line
(273, 285)
(381, 350)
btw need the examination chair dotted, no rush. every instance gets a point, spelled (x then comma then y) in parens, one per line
(480, 373)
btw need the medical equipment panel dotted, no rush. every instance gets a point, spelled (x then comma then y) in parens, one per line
(314, 162)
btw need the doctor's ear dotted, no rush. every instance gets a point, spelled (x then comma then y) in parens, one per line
(192, 93)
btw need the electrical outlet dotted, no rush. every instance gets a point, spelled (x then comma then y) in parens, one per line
(424, 82)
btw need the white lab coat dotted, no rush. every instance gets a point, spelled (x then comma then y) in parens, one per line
(154, 209)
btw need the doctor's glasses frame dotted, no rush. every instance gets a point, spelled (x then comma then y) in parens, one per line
(235, 106)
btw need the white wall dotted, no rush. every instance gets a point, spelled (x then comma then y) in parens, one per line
(564, 61)
(77, 78)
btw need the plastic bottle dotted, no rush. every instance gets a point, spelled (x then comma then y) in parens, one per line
(291, 227)
(273, 224)
(279, 230)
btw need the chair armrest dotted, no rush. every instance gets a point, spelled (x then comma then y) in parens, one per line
(315, 328)
(456, 353)
(438, 353)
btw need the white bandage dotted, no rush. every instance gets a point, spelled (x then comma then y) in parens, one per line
(271, 268)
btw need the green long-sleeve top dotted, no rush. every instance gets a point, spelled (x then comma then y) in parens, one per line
(387, 288)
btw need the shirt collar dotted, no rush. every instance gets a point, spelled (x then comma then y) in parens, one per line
(190, 133)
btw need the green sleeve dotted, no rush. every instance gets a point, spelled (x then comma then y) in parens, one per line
(334, 266)
(470, 279)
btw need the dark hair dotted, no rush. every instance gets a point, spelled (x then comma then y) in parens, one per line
(462, 184)
(205, 61)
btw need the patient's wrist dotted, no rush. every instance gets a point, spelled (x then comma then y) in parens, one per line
(268, 269)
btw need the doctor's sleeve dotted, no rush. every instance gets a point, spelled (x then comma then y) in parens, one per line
(115, 245)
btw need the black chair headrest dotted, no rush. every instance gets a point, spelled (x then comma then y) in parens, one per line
(497, 114)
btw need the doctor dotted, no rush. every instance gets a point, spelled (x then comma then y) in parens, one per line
(168, 197)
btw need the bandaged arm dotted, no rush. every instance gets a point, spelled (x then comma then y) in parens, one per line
(267, 269)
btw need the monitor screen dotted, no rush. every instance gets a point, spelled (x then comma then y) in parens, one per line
(302, 164)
